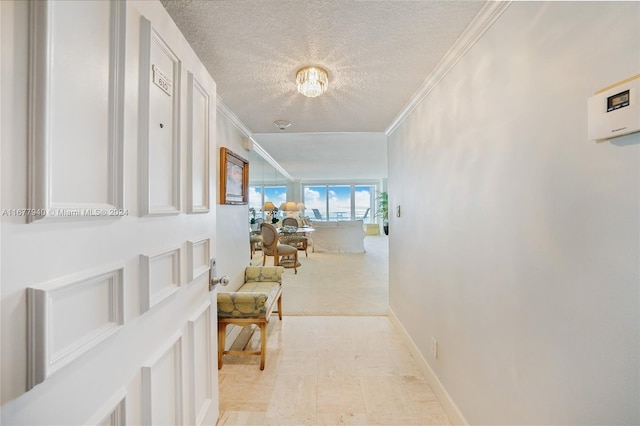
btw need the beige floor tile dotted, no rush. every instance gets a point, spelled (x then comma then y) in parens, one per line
(298, 366)
(245, 392)
(293, 396)
(348, 381)
(334, 363)
(396, 395)
(329, 370)
(346, 418)
(340, 395)
(238, 418)
(298, 419)
(408, 419)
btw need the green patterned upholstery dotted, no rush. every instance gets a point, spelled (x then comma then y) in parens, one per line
(255, 297)
(251, 304)
(263, 273)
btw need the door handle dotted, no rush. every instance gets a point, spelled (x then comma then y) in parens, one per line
(223, 281)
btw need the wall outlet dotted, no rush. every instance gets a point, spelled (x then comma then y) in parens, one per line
(434, 347)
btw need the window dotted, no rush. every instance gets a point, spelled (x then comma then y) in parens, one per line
(363, 202)
(255, 199)
(258, 195)
(315, 202)
(339, 202)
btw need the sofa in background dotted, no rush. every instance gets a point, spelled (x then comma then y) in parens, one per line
(345, 236)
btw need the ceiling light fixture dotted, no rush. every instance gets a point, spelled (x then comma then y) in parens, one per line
(282, 124)
(312, 81)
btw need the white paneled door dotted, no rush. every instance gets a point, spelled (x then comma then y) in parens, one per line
(106, 229)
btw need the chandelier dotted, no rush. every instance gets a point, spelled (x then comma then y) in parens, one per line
(312, 81)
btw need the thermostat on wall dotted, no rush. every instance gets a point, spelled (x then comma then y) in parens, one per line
(615, 110)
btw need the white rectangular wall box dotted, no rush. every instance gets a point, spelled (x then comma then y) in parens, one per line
(615, 110)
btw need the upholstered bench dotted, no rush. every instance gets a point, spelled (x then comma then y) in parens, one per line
(252, 303)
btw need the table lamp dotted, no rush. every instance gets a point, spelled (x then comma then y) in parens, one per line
(290, 207)
(269, 207)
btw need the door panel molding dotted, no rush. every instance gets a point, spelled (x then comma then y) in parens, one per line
(69, 316)
(68, 115)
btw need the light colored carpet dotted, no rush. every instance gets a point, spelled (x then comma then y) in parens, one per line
(338, 283)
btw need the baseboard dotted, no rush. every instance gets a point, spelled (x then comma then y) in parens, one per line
(449, 406)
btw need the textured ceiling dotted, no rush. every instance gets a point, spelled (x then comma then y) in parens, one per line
(377, 54)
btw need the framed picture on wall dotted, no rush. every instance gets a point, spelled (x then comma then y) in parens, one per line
(234, 178)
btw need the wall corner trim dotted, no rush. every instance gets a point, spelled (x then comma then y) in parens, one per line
(244, 130)
(478, 26)
(232, 117)
(449, 406)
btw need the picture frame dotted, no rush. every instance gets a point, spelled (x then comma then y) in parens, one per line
(234, 178)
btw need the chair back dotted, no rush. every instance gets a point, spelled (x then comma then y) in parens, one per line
(290, 221)
(269, 236)
(259, 221)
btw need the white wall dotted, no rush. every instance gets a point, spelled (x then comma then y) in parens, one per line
(233, 245)
(518, 248)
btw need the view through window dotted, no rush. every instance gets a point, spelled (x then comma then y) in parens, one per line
(258, 195)
(339, 202)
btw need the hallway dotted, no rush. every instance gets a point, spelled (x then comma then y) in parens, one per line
(328, 370)
(338, 284)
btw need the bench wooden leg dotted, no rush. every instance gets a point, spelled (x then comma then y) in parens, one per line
(263, 343)
(280, 307)
(222, 334)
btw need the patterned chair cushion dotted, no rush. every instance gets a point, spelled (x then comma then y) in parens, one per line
(255, 297)
(263, 273)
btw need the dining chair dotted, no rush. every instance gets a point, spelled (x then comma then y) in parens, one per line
(271, 247)
(254, 242)
(292, 237)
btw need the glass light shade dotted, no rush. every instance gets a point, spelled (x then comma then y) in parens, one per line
(312, 81)
(300, 206)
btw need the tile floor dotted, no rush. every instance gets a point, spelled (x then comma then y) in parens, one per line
(327, 370)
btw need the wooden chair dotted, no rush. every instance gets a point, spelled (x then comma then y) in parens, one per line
(254, 242)
(271, 247)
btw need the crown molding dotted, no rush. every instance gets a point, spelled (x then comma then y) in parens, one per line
(264, 154)
(480, 24)
(229, 115)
